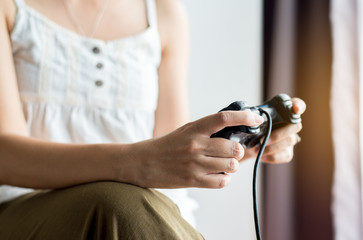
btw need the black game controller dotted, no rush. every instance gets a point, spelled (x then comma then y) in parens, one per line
(280, 109)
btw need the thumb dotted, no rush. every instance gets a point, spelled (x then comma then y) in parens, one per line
(298, 105)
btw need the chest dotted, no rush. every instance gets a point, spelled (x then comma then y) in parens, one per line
(56, 65)
(112, 19)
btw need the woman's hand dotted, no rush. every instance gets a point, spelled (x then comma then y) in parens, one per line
(279, 148)
(188, 157)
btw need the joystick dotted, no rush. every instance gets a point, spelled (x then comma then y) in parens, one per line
(280, 110)
(277, 112)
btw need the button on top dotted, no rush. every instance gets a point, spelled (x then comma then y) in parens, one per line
(99, 83)
(96, 50)
(99, 65)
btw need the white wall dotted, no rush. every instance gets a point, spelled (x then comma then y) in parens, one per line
(225, 66)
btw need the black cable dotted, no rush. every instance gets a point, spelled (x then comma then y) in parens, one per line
(255, 170)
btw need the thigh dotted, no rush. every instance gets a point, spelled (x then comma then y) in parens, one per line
(103, 210)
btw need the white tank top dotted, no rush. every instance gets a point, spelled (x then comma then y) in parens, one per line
(76, 89)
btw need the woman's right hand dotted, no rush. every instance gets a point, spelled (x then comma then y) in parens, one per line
(188, 157)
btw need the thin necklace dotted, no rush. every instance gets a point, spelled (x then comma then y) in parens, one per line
(96, 22)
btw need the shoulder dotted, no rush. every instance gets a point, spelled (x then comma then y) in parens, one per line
(8, 13)
(172, 19)
(170, 8)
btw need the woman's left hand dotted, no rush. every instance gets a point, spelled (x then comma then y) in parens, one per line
(280, 146)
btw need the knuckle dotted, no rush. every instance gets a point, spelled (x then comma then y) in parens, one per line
(192, 146)
(189, 127)
(298, 127)
(291, 140)
(268, 148)
(248, 117)
(194, 165)
(190, 179)
(274, 136)
(272, 158)
(189, 166)
(284, 157)
(223, 117)
(290, 154)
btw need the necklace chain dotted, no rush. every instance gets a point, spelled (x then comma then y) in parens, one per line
(95, 24)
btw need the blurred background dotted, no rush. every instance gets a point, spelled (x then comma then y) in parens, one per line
(252, 50)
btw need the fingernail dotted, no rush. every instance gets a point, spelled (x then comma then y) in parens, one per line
(237, 150)
(259, 119)
(298, 107)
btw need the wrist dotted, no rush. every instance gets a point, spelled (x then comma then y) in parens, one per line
(126, 163)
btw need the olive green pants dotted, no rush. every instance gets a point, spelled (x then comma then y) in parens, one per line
(103, 210)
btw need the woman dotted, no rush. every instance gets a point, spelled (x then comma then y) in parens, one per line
(91, 93)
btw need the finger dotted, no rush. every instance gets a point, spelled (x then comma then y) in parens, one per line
(280, 157)
(299, 105)
(218, 165)
(281, 145)
(215, 122)
(220, 147)
(250, 153)
(215, 180)
(283, 132)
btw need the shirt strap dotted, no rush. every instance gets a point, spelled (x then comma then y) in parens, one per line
(151, 13)
(19, 3)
